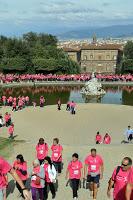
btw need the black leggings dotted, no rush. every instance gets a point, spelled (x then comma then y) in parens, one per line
(58, 166)
(75, 187)
(19, 188)
(51, 187)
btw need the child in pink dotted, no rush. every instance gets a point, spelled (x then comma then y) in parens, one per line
(57, 155)
(98, 138)
(74, 170)
(11, 131)
(41, 150)
(107, 139)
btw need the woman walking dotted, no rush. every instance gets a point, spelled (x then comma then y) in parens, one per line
(20, 166)
(41, 150)
(74, 170)
(57, 155)
(50, 177)
(37, 180)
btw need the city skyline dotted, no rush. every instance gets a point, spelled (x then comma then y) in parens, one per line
(57, 16)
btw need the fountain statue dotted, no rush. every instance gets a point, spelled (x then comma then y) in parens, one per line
(93, 88)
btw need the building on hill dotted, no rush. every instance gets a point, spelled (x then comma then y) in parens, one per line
(95, 57)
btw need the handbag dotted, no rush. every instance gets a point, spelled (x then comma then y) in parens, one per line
(38, 180)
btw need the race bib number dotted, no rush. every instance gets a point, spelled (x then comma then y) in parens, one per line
(76, 172)
(93, 167)
(34, 178)
(55, 155)
(41, 151)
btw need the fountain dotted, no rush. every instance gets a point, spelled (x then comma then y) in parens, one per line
(92, 88)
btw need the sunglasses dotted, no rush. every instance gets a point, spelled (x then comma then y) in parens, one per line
(124, 165)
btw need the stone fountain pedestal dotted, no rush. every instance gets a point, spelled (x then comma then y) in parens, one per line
(93, 89)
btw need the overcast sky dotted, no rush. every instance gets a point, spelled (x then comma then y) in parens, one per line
(54, 16)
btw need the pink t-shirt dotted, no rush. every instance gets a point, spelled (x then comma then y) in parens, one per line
(130, 177)
(107, 140)
(94, 163)
(47, 179)
(11, 130)
(56, 153)
(98, 138)
(35, 170)
(120, 184)
(21, 166)
(5, 167)
(6, 117)
(74, 169)
(42, 151)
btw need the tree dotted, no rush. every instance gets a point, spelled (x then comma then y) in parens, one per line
(127, 62)
(128, 50)
(34, 52)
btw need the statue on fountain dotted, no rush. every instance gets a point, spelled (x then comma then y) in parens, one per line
(93, 88)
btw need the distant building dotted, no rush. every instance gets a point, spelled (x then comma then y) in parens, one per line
(94, 57)
(74, 54)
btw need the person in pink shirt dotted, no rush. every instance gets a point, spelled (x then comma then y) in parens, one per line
(42, 101)
(41, 150)
(68, 106)
(34, 104)
(20, 166)
(4, 186)
(119, 180)
(98, 138)
(6, 168)
(37, 180)
(11, 131)
(4, 100)
(57, 155)
(107, 139)
(7, 119)
(14, 106)
(74, 169)
(27, 99)
(72, 106)
(129, 187)
(93, 169)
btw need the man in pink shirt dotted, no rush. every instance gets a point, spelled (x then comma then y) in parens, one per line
(5, 168)
(93, 168)
(129, 188)
(119, 180)
(74, 170)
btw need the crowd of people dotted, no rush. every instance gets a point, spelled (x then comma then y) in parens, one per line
(10, 78)
(46, 169)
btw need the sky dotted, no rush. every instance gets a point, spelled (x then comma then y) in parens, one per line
(59, 16)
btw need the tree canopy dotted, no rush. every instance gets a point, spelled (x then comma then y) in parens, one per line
(127, 63)
(34, 53)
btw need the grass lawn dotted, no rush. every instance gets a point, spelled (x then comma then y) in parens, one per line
(7, 146)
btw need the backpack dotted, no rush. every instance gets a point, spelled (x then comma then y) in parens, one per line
(117, 171)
